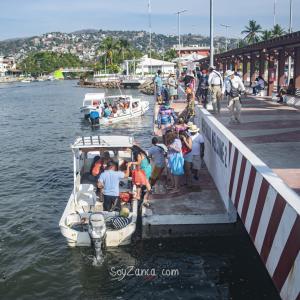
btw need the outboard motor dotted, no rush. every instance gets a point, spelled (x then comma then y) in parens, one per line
(97, 232)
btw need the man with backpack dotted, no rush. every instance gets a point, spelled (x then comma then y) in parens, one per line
(233, 88)
(215, 82)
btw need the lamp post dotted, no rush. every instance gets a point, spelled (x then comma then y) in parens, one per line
(226, 37)
(290, 31)
(274, 13)
(150, 34)
(178, 25)
(211, 34)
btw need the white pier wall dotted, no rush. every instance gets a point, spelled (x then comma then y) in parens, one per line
(269, 209)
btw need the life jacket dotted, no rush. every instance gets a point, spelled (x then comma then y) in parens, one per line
(97, 168)
(94, 115)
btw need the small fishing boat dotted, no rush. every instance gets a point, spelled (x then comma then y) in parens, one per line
(123, 107)
(84, 222)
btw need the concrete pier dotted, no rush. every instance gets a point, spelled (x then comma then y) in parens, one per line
(272, 131)
(195, 210)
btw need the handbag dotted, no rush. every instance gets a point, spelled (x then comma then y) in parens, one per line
(176, 162)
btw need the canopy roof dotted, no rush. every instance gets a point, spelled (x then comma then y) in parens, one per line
(97, 141)
(146, 61)
(94, 96)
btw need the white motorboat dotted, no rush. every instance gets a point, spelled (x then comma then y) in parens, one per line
(84, 223)
(90, 103)
(124, 107)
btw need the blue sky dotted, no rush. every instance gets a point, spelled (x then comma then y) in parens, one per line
(21, 18)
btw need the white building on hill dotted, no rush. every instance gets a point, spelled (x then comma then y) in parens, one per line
(148, 65)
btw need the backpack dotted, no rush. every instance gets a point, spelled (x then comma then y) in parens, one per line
(234, 92)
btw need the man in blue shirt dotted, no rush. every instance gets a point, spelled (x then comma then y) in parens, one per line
(109, 182)
(158, 82)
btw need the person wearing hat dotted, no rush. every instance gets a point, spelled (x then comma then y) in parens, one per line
(197, 152)
(233, 88)
(215, 85)
(172, 86)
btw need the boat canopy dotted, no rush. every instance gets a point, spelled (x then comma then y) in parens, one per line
(90, 143)
(94, 96)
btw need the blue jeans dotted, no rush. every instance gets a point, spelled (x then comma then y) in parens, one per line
(257, 89)
(111, 202)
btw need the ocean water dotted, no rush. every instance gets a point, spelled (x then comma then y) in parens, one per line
(38, 122)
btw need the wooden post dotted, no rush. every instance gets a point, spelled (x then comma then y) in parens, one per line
(271, 75)
(245, 66)
(236, 64)
(262, 62)
(252, 68)
(297, 69)
(281, 67)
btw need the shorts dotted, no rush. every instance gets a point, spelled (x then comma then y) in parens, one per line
(156, 172)
(188, 158)
(196, 162)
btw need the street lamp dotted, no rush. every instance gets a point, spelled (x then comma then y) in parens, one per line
(274, 13)
(211, 34)
(226, 37)
(290, 31)
(178, 25)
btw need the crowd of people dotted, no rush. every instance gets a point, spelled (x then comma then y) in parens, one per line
(176, 155)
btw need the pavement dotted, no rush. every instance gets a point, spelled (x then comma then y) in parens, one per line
(272, 131)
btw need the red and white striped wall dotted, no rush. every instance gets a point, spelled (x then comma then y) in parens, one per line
(269, 209)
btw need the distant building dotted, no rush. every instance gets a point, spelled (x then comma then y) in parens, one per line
(192, 51)
(151, 65)
(7, 65)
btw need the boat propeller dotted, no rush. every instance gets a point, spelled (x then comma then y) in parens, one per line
(97, 232)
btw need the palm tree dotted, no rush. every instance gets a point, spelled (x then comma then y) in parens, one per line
(266, 35)
(277, 31)
(107, 47)
(123, 46)
(252, 32)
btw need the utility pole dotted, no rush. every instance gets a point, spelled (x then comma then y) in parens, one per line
(226, 37)
(290, 31)
(178, 25)
(274, 13)
(211, 34)
(150, 34)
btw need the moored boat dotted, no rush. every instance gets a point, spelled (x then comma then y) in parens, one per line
(123, 107)
(84, 222)
(90, 103)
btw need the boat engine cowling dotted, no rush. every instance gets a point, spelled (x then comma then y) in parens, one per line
(97, 232)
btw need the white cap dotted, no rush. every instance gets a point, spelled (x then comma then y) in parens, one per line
(229, 73)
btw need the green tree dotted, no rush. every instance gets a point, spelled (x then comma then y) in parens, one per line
(47, 62)
(252, 31)
(124, 46)
(170, 54)
(277, 31)
(108, 46)
(266, 35)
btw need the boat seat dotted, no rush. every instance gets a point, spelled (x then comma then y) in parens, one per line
(85, 197)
